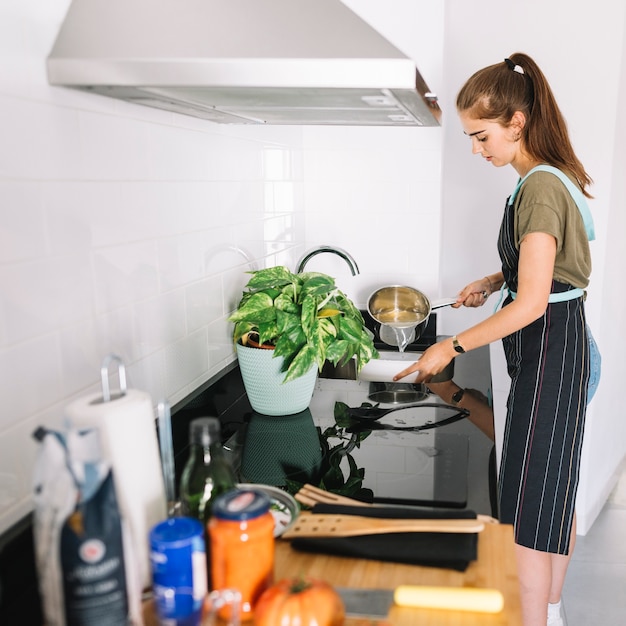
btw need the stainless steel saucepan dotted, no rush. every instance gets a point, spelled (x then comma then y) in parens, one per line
(403, 310)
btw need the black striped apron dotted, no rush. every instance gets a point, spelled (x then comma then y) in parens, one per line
(548, 362)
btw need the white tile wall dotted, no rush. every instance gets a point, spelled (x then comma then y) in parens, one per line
(121, 230)
(379, 190)
(128, 230)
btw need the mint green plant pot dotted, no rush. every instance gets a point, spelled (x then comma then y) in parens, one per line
(264, 385)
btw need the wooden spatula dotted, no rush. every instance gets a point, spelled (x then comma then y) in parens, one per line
(310, 496)
(329, 525)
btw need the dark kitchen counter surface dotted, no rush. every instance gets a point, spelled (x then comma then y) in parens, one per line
(427, 462)
(459, 457)
(19, 598)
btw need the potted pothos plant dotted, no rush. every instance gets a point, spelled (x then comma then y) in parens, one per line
(305, 320)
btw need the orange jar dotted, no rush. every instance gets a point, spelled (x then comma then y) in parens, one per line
(241, 532)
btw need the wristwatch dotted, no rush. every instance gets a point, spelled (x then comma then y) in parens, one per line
(457, 396)
(457, 346)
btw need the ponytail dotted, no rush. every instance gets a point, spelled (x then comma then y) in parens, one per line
(517, 84)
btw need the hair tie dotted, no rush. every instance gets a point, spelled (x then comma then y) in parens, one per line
(516, 68)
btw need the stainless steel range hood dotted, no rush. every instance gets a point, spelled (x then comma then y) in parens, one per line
(242, 61)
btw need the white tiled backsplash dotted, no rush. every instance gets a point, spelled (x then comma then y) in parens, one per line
(128, 230)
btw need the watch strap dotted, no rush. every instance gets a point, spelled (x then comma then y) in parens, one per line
(457, 346)
(457, 396)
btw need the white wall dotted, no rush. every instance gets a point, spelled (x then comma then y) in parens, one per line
(123, 229)
(120, 228)
(606, 441)
(377, 191)
(119, 225)
(581, 50)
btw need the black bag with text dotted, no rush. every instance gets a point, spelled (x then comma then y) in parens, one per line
(80, 537)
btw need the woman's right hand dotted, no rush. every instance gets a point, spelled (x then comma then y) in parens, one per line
(432, 361)
(475, 294)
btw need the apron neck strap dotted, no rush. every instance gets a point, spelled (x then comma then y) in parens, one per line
(576, 194)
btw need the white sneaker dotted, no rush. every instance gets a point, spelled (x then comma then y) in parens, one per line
(555, 615)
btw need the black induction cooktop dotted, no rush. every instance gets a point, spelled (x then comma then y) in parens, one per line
(425, 468)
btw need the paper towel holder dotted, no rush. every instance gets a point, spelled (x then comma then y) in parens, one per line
(104, 377)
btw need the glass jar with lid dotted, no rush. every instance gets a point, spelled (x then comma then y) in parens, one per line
(241, 534)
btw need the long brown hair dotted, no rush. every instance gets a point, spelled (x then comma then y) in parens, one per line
(517, 84)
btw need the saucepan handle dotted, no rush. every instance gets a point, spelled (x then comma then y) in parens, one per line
(437, 304)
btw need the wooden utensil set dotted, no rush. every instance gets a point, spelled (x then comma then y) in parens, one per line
(333, 525)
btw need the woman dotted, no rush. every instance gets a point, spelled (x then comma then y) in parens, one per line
(511, 117)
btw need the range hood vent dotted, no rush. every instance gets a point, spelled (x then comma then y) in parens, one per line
(242, 62)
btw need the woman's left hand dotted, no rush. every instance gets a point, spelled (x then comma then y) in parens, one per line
(433, 360)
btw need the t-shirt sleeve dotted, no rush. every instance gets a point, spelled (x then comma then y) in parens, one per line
(543, 203)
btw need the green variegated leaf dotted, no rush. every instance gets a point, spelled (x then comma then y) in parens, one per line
(301, 364)
(288, 345)
(241, 329)
(350, 330)
(259, 307)
(318, 345)
(287, 322)
(283, 302)
(270, 278)
(327, 328)
(323, 337)
(336, 351)
(366, 351)
(308, 315)
(350, 310)
(272, 293)
(319, 285)
(267, 332)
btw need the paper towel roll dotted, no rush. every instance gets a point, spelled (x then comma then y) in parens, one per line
(129, 442)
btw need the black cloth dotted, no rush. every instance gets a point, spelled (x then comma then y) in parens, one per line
(445, 550)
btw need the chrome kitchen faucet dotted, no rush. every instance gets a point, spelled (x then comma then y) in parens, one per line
(345, 255)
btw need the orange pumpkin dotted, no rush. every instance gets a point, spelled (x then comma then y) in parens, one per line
(299, 602)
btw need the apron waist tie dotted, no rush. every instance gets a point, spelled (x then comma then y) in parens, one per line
(554, 297)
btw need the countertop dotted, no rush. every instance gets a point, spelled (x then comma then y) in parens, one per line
(494, 569)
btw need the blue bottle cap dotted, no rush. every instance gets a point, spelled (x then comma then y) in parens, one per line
(175, 532)
(241, 505)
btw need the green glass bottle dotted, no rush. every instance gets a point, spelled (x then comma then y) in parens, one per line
(207, 473)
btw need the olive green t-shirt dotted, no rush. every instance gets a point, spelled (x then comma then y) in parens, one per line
(544, 205)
